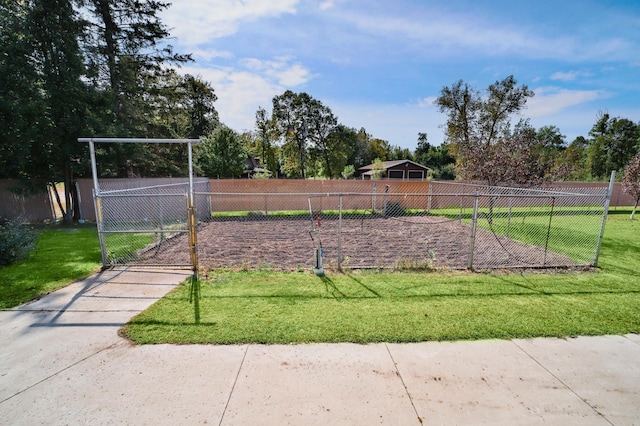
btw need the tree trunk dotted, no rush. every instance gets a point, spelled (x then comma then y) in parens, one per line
(67, 217)
(635, 206)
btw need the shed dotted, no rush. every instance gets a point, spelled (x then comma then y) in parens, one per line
(252, 166)
(399, 169)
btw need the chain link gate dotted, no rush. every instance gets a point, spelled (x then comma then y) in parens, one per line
(138, 222)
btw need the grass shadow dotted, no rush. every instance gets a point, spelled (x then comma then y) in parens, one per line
(331, 287)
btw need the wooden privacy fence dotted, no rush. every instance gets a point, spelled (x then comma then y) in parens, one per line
(17, 202)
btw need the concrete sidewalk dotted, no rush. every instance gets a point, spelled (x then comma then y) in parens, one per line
(62, 362)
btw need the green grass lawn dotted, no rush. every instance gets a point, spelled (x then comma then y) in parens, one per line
(298, 307)
(62, 255)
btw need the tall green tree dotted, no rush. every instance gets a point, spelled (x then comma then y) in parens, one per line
(55, 29)
(303, 122)
(571, 164)
(21, 103)
(337, 148)
(437, 158)
(479, 131)
(127, 52)
(222, 154)
(265, 141)
(613, 142)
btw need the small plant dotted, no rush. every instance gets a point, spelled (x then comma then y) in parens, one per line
(394, 208)
(16, 240)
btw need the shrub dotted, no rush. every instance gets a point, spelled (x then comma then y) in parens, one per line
(16, 240)
(394, 208)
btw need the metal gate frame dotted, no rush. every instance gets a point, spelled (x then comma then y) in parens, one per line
(191, 208)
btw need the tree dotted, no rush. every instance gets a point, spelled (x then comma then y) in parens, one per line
(551, 145)
(128, 57)
(265, 137)
(335, 150)
(301, 119)
(126, 51)
(479, 131)
(54, 28)
(613, 143)
(21, 103)
(512, 159)
(377, 169)
(631, 181)
(222, 155)
(399, 153)
(570, 163)
(437, 158)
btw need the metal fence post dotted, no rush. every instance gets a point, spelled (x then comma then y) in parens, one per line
(474, 224)
(340, 233)
(191, 211)
(97, 202)
(596, 256)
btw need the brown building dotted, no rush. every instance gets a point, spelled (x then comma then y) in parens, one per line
(399, 169)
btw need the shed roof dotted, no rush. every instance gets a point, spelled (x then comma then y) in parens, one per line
(390, 164)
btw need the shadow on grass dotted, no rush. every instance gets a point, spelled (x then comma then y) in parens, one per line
(331, 288)
(194, 297)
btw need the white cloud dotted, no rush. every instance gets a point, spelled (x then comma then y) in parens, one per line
(568, 76)
(564, 76)
(427, 102)
(551, 100)
(328, 4)
(195, 22)
(280, 70)
(242, 90)
(208, 54)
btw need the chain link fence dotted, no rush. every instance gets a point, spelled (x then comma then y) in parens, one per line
(351, 225)
(404, 225)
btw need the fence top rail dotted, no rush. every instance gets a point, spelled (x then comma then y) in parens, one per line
(402, 194)
(121, 195)
(547, 190)
(140, 188)
(137, 140)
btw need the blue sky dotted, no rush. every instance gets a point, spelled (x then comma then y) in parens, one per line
(380, 64)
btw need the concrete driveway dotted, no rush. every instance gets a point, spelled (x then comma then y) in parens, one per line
(62, 362)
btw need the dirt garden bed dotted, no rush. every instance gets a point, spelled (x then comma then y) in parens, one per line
(367, 242)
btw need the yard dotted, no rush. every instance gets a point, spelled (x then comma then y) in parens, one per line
(263, 306)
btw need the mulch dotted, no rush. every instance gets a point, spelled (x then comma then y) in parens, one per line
(415, 242)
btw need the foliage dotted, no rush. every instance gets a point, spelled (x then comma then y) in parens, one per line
(479, 131)
(571, 163)
(92, 67)
(631, 181)
(348, 172)
(614, 141)
(437, 158)
(377, 169)
(222, 154)
(512, 159)
(263, 144)
(16, 240)
(302, 120)
(62, 255)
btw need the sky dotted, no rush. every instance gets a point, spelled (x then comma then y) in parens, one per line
(380, 64)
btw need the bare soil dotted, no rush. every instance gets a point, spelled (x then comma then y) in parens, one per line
(366, 242)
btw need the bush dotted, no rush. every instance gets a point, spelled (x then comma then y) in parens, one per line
(394, 208)
(16, 240)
